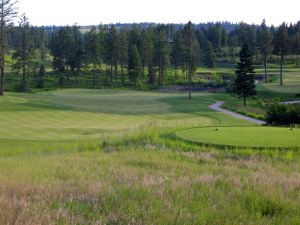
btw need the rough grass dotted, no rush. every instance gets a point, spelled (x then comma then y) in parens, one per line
(107, 157)
(149, 185)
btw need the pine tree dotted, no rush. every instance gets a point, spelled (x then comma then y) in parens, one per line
(281, 46)
(93, 50)
(123, 51)
(63, 49)
(76, 58)
(244, 84)
(24, 51)
(177, 52)
(209, 55)
(134, 65)
(191, 50)
(102, 47)
(57, 51)
(113, 53)
(41, 75)
(148, 37)
(147, 47)
(232, 44)
(7, 13)
(162, 54)
(264, 45)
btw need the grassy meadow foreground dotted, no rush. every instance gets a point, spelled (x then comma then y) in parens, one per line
(112, 157)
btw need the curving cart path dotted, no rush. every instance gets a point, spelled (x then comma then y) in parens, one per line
(292, 102)
(217, 107)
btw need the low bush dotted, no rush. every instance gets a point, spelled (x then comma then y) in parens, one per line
(283, 114)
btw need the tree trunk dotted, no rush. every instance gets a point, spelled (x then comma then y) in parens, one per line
(266, 68)
(122, 73)
(100, 69)
(143, 70)
(111, 71)
(94, 75)
(24, 77)
(160, 75)
(76, 77)
(2, 81)
(189, 65)
(281, 65)
(116, 72)
(190, 82)
(106, 72)
(151, 74)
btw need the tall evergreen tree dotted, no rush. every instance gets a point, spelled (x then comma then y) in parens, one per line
(24, 51)
(147, 45)
(244, 84)
(102, 48)
(93, 50)
(224, 38)
(123, 51)
(209, 55)
(281, 46)
(62, 49)
(177, 51)
(113, 53)
(191, 52)
(214, 35)
(233, 44)
(79, 53)
(264, 45)
(162, 54)
(41, 75)
(134, 65)
(7, 13)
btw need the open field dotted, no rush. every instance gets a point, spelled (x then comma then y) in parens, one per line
(110, 157)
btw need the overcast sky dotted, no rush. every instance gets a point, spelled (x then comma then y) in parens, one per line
(92, 12)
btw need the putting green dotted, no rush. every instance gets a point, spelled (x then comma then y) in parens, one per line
(271, 137)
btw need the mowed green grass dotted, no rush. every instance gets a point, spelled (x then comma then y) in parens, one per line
(291, 83)
(261, 137)
(88, 114)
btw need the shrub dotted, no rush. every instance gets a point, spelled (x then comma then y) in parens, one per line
(22, 87)
(283, 114)
(140, 85)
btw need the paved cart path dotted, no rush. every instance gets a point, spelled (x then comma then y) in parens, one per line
(217, 107)
(292, 102)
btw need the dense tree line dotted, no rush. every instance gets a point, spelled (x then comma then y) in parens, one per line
(156, 48)
(136, 54)
(141, 54)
